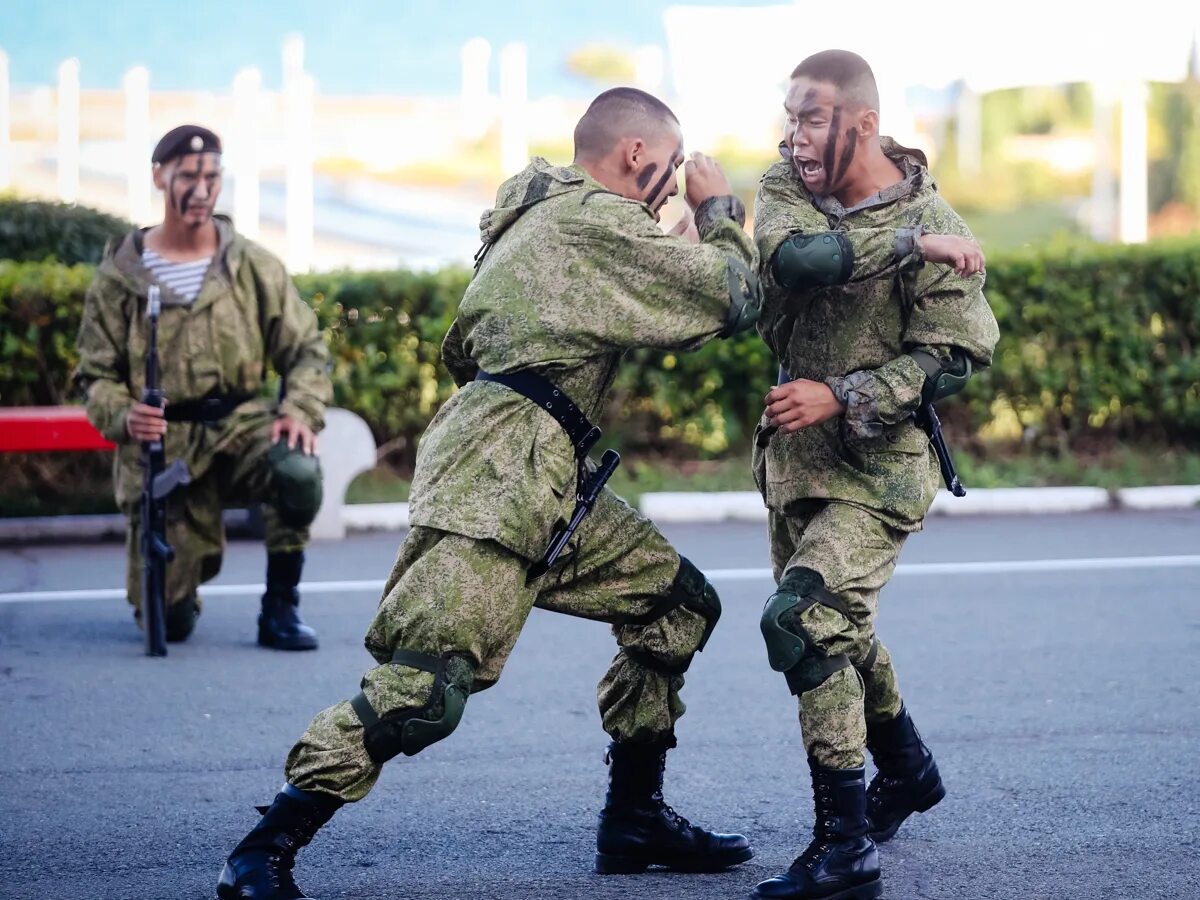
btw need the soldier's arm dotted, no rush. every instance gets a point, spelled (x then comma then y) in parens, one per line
(951, 333)
(660, 290)
(460, 366)
(297, 350)
(102, 375)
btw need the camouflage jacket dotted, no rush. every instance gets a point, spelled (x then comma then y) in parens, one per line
(248, 314)
(572, 277)
(856, 337)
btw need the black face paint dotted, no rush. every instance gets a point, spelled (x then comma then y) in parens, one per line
(831, 146)
(847, 153)
(657, 189)
(171, 192)
(645, 175)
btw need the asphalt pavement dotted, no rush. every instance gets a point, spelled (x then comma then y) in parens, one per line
(1058, 695)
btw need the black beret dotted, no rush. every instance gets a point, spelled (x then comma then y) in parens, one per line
(183, 140)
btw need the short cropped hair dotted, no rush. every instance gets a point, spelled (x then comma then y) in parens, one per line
(846, 71)
(618, 113)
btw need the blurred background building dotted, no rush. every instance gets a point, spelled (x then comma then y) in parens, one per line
(371, 134)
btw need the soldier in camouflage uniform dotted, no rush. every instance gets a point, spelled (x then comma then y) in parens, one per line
(845, 472)
(574, 272)
(228, 310)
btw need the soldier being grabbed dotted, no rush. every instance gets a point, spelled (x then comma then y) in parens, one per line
(845, 472)
(229, 310)
(574, 271)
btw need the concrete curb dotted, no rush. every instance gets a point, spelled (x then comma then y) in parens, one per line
(715, 506)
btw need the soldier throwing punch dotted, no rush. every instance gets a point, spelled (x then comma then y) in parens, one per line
(229, 310)
(574, 273)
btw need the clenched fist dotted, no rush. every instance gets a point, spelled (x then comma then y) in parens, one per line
(704, 179)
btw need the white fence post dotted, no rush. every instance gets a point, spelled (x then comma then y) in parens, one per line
(476, 108)
(246, 87)
(514, 108)
(68, 131)
(1134, 163)
(1104, 195)
(969, 130)
(136, 86)
(5, 129)
(298, 92)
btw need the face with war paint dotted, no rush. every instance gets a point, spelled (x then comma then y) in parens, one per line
(191, 184)
(820, 134)
(654, 168)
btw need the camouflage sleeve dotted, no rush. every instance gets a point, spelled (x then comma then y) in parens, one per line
(102, 375)
(782, 209)
(661, 291)
(460, 366)
(947, 308)
(882, 396)
(296, 348)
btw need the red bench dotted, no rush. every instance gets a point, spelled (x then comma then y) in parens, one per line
(36, 429)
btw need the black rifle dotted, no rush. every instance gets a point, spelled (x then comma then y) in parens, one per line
(585, 499)
(158, 482)
(927, 418)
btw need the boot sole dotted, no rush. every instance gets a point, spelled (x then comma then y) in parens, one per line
(868, 891)
(926, 803)
(278, 645)
(617, 864)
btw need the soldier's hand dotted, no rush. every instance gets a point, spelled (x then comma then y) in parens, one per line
(296, 432)
(704, 179)
(801, 403)
(686, 228)
(961, 253)
(145, 423)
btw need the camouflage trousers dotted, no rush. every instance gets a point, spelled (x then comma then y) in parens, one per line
(238, 474)
(856, 554)
(450, 594)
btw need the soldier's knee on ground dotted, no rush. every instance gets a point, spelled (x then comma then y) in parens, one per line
(411, 729)
(800, 623)
(296, 484)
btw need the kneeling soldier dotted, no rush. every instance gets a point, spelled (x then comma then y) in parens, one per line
(228, 310)
(574, 272)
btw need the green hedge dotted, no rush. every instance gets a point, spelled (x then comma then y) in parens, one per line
(35, 230)
(1095, 341)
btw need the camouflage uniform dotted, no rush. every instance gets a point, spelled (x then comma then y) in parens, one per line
(573, 277)
(248, 314)
(842, 495)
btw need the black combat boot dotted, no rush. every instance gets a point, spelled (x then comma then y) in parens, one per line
(908, 779)
(638, 830)
(841, 863)
(181, 619)
(279, 624)
(260, 867)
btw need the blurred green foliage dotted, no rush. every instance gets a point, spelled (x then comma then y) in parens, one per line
(34, 230)
(1096, 341)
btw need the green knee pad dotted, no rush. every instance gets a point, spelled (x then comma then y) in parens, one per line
(411, 730)
(693, 592)
(789, 649)
(296, 484)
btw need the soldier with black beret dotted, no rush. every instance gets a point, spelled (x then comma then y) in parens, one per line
(229, 312)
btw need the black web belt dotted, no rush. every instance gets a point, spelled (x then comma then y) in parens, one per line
(210, 409)
(582, 433)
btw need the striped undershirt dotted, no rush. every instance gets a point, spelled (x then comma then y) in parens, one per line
(182, 278)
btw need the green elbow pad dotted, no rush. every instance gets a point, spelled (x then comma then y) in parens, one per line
(813, 260)
(745, 299)
(943, 378)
